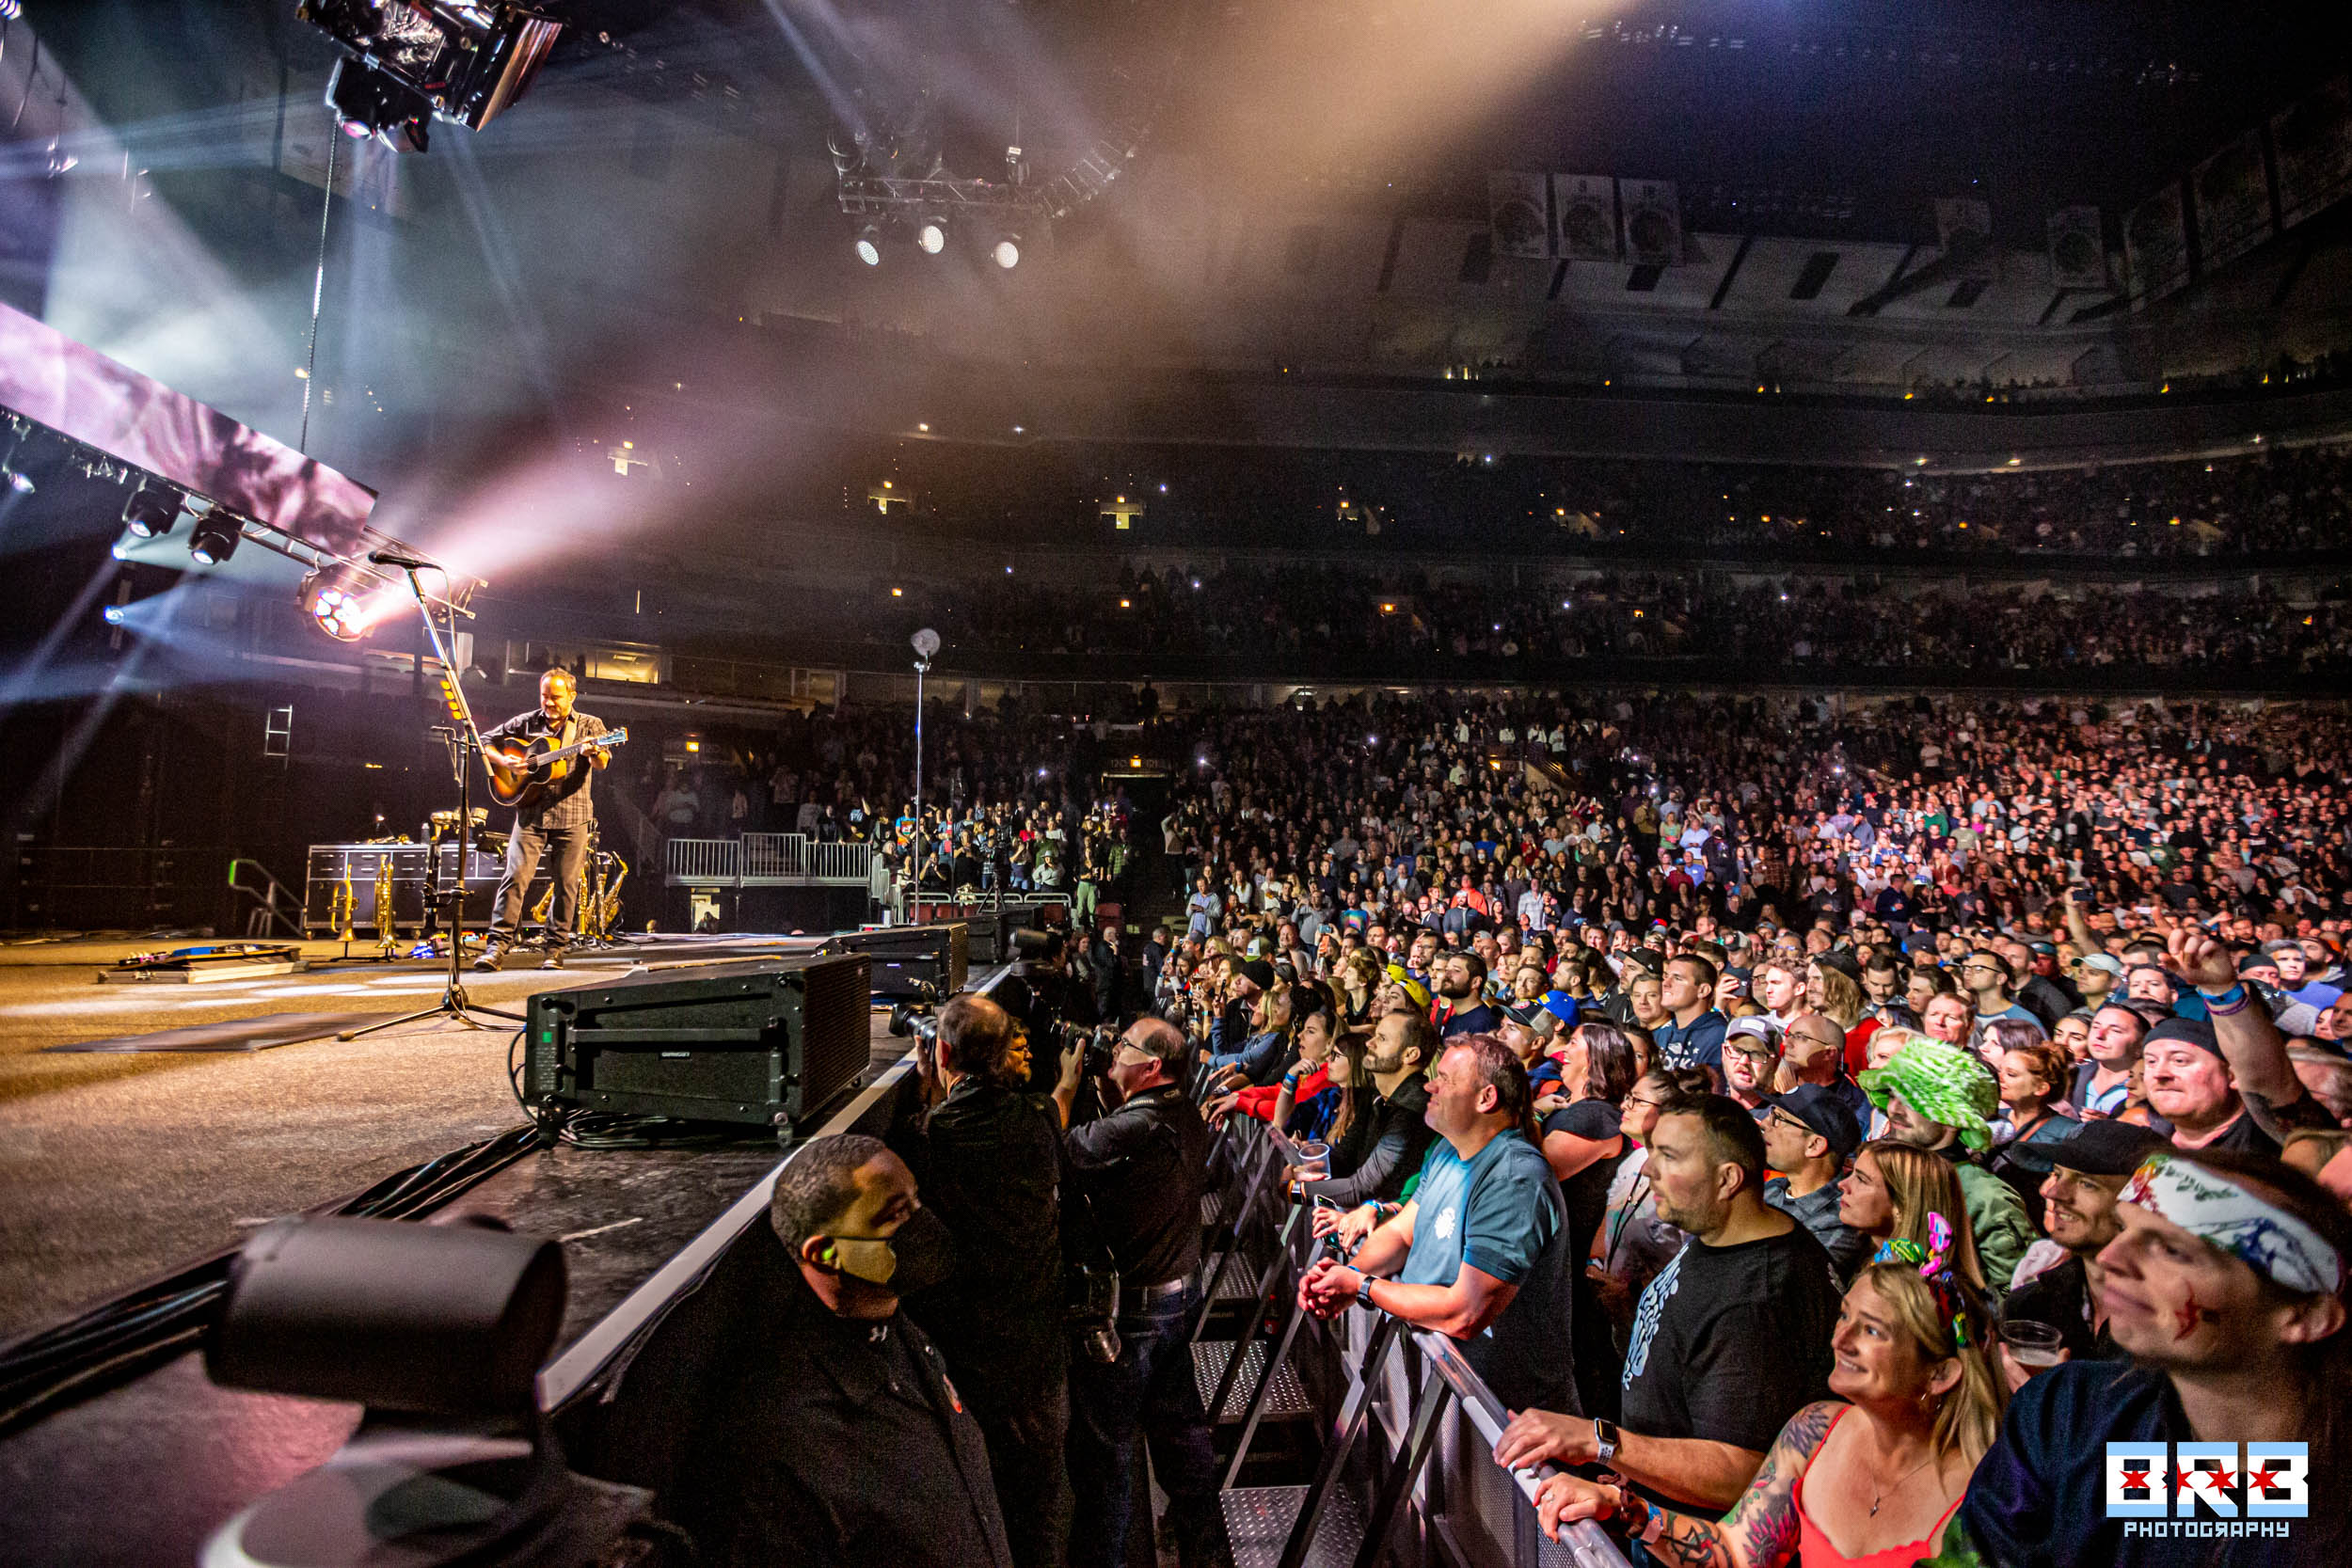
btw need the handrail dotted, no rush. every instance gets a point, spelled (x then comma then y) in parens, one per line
(267, 899)
(1586, 1541)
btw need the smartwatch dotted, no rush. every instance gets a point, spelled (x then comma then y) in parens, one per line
(1605, 1439)
(1363, 1293)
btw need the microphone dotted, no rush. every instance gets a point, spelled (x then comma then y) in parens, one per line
(402, 558)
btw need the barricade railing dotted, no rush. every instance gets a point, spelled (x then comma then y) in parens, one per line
(716, 862)
(1426, 1422)
(769, 859)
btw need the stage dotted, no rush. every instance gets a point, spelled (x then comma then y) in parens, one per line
(123, 1164)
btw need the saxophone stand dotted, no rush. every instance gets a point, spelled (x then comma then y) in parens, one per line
(465, 752)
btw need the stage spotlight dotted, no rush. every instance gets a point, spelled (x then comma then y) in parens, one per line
(114, 614)
(20, 482)
(214, 539)
(152, 513)
(370, 103)
(334, 598)
(933, 236)
(1008, 252)
(869, 244)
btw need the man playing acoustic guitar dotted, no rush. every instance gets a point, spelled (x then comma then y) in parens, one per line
(560, 819)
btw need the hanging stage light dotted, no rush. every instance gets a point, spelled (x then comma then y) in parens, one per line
(1008, 252)
(114, 614)
(334, 598)
(931, 234)
(20, 482)
(869, 244)
(151, 512)
(214, 538)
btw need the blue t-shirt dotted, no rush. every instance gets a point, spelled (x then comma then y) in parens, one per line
(1698, 1043)
(1501, 1212)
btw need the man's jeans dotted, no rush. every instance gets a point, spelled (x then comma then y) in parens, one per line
(1149, 1387)
(524, 849)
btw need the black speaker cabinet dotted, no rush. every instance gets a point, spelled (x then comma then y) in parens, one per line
(769, 1042)
(913, 963)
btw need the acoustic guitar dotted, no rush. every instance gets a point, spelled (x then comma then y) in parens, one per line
(523, 773)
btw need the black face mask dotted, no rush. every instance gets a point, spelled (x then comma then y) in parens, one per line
(918, 1255)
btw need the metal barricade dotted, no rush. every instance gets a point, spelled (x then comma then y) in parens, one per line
(1407, 1472)
(717, 862)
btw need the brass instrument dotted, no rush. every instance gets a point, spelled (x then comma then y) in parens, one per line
(385, 939)
(609, 902)
(340, 904)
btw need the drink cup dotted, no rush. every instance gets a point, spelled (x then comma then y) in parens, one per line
(2032, 1345)
(1314, 1161)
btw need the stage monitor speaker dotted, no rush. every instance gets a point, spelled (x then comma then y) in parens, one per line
(913, 963)
(769, 1042)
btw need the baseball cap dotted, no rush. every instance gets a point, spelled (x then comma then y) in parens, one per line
(2104, 1148)
(2107, 963)
(1823, 1110)
(1753, 1028)
(1842, 961)
(1560, 1005)
(1259, 973)
(1740, 977)
(1540, 1019)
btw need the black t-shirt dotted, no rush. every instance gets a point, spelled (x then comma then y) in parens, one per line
(1729, 1342)
(1586, 1193)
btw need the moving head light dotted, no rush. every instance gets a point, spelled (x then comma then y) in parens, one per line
(408, 62)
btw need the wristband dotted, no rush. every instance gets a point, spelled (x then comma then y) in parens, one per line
(1363, 1292)
(2222, 1003)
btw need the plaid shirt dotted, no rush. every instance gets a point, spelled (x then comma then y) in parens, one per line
(568, 804)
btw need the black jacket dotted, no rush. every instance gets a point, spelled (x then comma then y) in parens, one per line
(1143, 1167)
(1385, 1146)
(813, 1440)
(988, 1163)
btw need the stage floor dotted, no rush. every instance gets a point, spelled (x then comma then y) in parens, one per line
(118, 1166)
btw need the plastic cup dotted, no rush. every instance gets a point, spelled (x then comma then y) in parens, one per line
(2032, 1345)
(1314, 1161)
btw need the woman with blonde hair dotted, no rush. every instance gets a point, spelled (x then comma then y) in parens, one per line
(1873, 1477)
(1896, 1192)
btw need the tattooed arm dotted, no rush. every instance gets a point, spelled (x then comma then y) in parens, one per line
(1760, 1532)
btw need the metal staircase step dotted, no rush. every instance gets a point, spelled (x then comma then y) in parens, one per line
(1285, 1398)
(1241, 1279)
(1258, 1521)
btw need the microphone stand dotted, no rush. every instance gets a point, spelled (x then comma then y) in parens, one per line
(465, 746)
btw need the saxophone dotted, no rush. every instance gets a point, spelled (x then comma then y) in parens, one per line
(609, 902)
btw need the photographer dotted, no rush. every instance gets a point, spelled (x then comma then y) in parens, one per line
(988, 1158)
(1141, 1168)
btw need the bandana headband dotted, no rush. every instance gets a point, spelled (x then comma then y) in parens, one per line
(2207, 1204)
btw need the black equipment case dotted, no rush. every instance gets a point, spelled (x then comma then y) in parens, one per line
(913, 963)
(769, 1042)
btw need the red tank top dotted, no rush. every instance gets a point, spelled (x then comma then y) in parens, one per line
(1813, 1543)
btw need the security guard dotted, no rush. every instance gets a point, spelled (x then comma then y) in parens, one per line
(826, 1433)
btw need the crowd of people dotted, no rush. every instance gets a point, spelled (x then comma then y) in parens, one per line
(1305, 618)
(1836, 1131)
(2286, 500)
